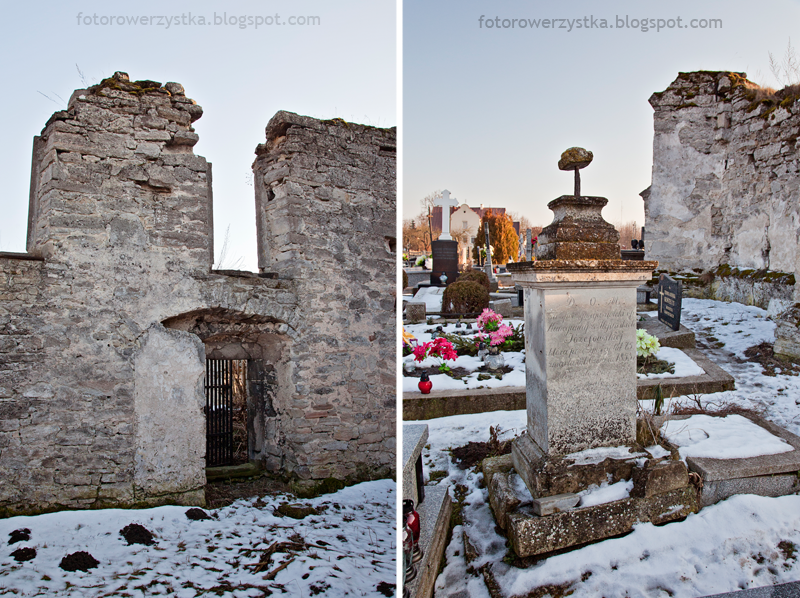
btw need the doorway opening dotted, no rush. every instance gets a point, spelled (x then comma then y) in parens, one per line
(226, 412)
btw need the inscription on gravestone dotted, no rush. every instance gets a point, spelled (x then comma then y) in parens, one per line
(670, 293)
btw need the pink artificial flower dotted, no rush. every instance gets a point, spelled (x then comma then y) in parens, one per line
(499, 336)
(420, 351)
(489, 320)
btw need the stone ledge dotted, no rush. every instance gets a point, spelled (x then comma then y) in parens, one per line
(725, 469)
(530, 535)
(584, 265)
(442, 403)
(714, 379)
(434, 513)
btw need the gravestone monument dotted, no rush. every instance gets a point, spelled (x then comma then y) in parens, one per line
(444, 250)
(580, 343)
(580, 316)
(670, 295)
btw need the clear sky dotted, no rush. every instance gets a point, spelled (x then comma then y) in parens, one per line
(488, 111)
(344, 67)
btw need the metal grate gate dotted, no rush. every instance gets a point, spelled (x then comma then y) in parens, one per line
(219, 412)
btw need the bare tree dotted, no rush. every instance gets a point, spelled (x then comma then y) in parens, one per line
(627, 232)
(222, 259)
(787, 70)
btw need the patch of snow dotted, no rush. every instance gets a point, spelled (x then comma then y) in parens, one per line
(657, 451)
(350, 548)
(600, 454)
(684, 365)
(605, 492)
(730, 437)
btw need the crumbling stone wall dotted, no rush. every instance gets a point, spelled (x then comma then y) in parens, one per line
(325, 209)
(105, 322)
(726, 183)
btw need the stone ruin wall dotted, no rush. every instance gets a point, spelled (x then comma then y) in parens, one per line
(103, 322)
(726, 187)
(326, 205)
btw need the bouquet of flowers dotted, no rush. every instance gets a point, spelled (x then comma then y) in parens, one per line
(646, 345)
(491, 324)
(438, 347)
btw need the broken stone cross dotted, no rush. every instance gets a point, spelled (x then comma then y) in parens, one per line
(446, 202)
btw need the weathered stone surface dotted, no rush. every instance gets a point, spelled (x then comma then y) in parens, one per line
(169, 368)
(548, 475)
(547, 505)
(531, 535)
(725, 181)
(414, 438)
(658, 477)
(502, 307)
(578, 231)
(442, 403)
(434, 515)
(766, 485)
(415, 312)
(502, 498)
(120, 242)
(575, 158)
(580, 352)
(787, 333)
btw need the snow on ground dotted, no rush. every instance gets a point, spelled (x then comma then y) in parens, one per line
(729, 437)
(684, 365)
(349, 549)
(745, 541)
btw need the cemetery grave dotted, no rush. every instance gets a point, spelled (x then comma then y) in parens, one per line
(580, 471)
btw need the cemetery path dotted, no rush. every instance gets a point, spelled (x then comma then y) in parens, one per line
(744, 542)
(344, 545)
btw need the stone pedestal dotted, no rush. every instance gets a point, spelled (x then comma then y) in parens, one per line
(445, 259)
(580, 341)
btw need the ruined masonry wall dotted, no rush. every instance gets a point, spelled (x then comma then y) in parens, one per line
(325, 206)
(120, 224)
(726, 180)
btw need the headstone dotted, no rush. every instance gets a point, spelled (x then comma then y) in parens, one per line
(446, 202)
(415, 312)
(670, 294)
(580, 315)
(502, 307)
(445, 261)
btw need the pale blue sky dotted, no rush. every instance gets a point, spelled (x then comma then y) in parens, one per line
(344, 67)
(487, 112)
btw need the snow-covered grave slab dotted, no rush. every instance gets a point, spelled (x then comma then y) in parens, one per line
(685, 366)
(737, 455)
(431, 297)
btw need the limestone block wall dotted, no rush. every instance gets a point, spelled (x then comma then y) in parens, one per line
(325, 209)
(726, 176)
(119, 241)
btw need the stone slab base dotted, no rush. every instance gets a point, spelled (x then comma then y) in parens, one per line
(434, 513)
(531, 535)
(683, 338)
(417, 406)
(765, 475)
(773, 485)
(714, 379)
